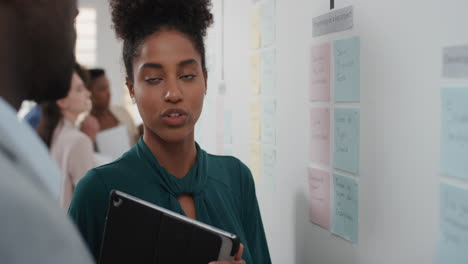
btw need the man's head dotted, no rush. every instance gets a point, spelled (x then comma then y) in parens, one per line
(37, 40)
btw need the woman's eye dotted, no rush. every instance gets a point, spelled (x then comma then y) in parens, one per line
(153, 80)
(188, 76)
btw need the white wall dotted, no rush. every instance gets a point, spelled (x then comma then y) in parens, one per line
(401, 65)
(108, 49)
(401, 56)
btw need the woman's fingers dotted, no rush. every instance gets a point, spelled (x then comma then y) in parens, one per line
(239, 252)
(237, 259)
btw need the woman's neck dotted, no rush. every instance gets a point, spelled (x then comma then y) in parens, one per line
(176, 157)
(70, 116)
(97, 112)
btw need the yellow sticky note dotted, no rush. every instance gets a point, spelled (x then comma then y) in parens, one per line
(255, 161)
(254, 119)
(255, 73)
(255, 28)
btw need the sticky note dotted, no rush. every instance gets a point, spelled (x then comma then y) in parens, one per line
(255, 73)
(319, 197)
(268, 72)
(255, 28)
(269, 166)
(254, 119)
(347, 69)
(453, 236)
(320, 62)
(320, 135)
(269, 122)
(345, 220)
(454, 134)
(268, 25)
(347, 139)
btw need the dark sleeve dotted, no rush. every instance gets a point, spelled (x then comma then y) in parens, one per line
(88, 209)
(252, 220)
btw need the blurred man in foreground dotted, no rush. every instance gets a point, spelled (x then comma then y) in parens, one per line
(36, 49)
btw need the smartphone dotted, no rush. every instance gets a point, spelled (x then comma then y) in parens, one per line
(137, 231)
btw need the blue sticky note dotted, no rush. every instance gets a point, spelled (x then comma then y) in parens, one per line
(268, 122)
(453, 235)
(454, 134)
(269, 166)
(346, 54)
(268, 70)
(345, 218)
(268, 24)
(347, 139)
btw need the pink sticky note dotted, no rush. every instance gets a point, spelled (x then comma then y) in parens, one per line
(319, 206)
(320, 135)
(320, 72)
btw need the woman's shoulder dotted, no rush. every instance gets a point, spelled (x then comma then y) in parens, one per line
(120, 112)
(69, 137)
(231, 167)
(225, 161)
(123, 167)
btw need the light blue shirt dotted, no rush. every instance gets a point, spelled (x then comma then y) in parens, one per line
(33, 227)
(33, 157)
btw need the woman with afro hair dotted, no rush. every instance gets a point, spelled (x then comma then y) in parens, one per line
(164, 57)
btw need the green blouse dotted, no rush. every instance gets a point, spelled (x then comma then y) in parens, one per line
(222, 188)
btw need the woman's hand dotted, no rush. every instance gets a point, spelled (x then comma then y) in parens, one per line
(237, 259)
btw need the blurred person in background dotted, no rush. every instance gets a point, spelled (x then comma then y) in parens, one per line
(90, 126)
(37, 40)
(109, 116)
(72, 149)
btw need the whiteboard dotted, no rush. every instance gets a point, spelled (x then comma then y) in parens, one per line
(401, 79)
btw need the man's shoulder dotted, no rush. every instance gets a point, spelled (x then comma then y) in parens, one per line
(33, 217)
(26, 150)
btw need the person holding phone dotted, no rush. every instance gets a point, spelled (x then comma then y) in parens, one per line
(164, 57)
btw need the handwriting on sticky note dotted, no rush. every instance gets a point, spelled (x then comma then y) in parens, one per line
(347, 70)
(320, 135)
(319, 206)
(345, 221)
(347, 140)
(269, 165)
(268, 70)
(269, 122)
(268, 16)
(320, 72)
(454, 136)
(453, 237)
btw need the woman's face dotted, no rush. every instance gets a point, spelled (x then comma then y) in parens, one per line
(169, 85)
(78, 98)
(100, 92)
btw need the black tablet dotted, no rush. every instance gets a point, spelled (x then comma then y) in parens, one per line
(140, 232)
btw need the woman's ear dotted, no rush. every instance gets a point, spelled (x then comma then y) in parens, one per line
(130, 87)
(62, 103)
(205, 73)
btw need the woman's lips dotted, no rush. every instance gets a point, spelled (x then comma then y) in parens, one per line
(174, 117)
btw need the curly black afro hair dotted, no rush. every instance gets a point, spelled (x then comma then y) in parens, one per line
(134, 20)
